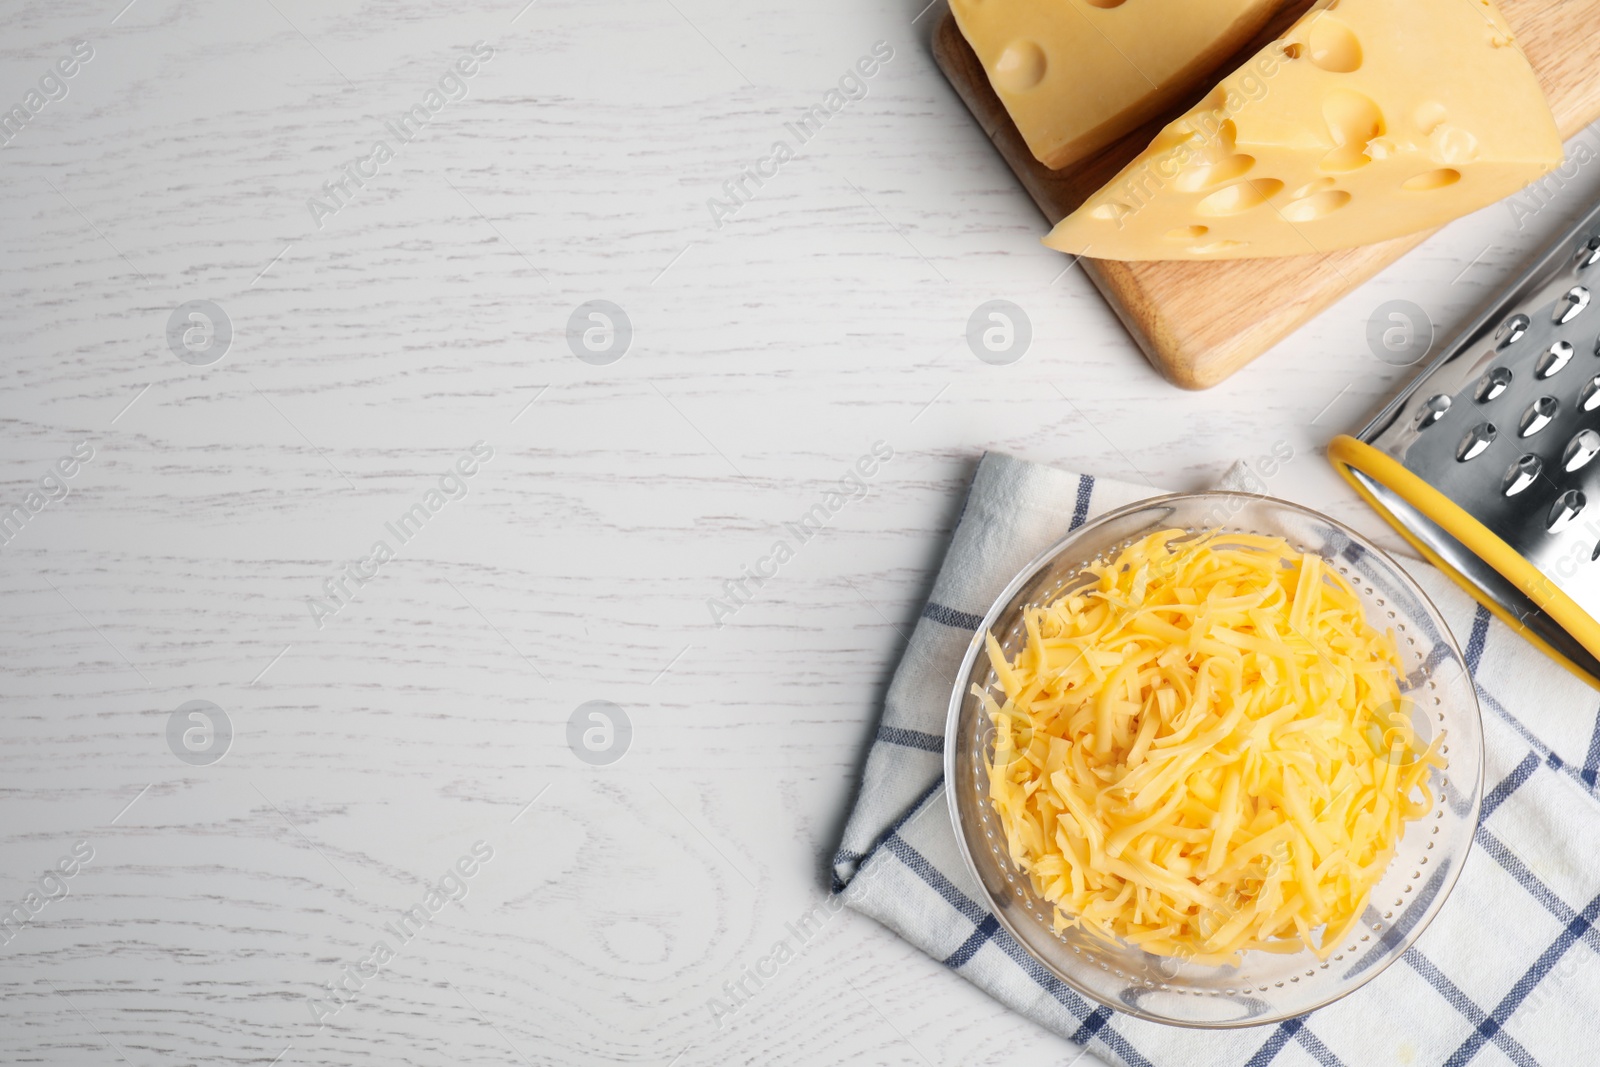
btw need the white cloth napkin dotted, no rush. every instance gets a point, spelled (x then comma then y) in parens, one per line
(1507, 973)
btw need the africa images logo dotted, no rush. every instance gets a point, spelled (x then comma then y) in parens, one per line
(849, 488)
(851, 86)
(452, 88)
(51, 488)
(453, 885)
(453, 485)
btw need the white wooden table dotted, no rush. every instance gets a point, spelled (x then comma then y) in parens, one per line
(374, 341)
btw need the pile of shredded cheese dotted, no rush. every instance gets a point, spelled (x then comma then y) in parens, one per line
(1206, 751)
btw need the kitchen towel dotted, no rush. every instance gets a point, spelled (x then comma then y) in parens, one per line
(1507, 973)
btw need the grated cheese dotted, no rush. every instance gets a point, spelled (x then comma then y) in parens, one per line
(1205, 751)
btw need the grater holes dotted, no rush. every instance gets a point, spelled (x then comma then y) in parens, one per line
(1564, 510)
(1521, 474)
(1571, 305)
(1432, 410)
(1583, 447)
(1589, 396)
(1476, 441)
(1538, 415)
(1589, 254)
(1495, 381)
(1512, 330)
(1553, 360)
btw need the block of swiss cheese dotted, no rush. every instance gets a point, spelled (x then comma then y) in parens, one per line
(1368, 120)
(1076, 75)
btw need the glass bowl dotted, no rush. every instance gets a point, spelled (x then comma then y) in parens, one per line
(1263, 987)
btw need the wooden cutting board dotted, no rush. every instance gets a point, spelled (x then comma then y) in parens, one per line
(1200, 322)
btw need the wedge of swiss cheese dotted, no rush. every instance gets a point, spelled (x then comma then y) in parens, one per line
(1367, 120)
(1076, 75)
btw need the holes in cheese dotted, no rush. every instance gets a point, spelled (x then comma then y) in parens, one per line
(1354, 122)
(1214, 174)
(1334, 46)
(1021, 66)
(1415, 111)
(1316, 205)
(1240, 197)
(1312, 187)
(1076, 75)
(1204, 750)
(1429, 116)
(1433, 179)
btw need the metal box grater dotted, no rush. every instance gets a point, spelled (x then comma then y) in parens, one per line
(1489, 460)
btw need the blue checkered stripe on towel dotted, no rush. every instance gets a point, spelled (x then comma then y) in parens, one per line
(1507, 973)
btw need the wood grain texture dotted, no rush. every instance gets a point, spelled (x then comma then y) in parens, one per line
(1198, 323)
